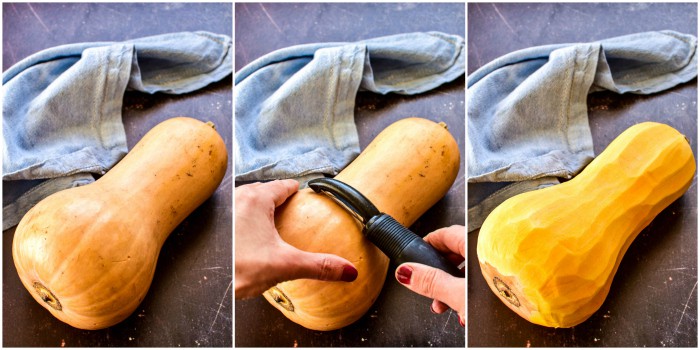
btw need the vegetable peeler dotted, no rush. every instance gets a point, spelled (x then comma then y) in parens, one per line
(396, 241)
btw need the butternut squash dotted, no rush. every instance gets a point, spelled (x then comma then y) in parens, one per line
(88, 254)
(404, 171)
(550, 255)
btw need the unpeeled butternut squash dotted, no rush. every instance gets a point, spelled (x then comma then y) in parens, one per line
(88, 254)
(404, 171)
(551, 254)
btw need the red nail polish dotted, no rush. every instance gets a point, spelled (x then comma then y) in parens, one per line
(461, 322)
(403, 275)
(349, 274)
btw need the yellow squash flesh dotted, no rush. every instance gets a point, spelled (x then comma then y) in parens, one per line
(550, 255)
(404, 171)
(88, 254)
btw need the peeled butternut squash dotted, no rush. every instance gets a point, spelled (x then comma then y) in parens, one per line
(550, 255)
(88, 254)
(404, 171)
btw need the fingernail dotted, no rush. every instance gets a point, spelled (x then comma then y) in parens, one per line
(403, 275)
(349, 274)
(461, 322)
(432, 310)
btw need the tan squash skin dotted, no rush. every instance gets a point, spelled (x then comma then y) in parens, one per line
(88, 254)
(550, 255)
(404, 171)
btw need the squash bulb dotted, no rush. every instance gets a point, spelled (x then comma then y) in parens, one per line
(88, 254)
(550, 255)
(404, 171)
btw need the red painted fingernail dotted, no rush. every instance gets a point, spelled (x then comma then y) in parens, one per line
(349, 274)
(403, 275)
(461, 322)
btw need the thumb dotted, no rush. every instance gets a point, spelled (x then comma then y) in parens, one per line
(319, 266)
(432, 283)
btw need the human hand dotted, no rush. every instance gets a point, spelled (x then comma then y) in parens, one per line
(263, 259)
(446, 290)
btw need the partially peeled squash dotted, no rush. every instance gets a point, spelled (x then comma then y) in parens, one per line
(551, 254)
(404, 171)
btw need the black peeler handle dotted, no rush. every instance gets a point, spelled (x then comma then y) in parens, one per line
(393, 239)
(402, 245)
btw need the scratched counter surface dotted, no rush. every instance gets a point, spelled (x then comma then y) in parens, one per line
(653, 297)
(398, 317)
(190, 299)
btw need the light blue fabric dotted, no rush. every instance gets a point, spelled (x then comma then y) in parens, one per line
(527, 112)
(62, 106)
(294, 108)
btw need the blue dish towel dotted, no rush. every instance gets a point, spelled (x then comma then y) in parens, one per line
(527, 112)
(62, 106)
(294, 108)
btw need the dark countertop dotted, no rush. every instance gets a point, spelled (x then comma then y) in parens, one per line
(399, 317)
(189, 302)
(653, 298)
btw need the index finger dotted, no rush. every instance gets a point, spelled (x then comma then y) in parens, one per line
(280, 190)
(448, 239)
